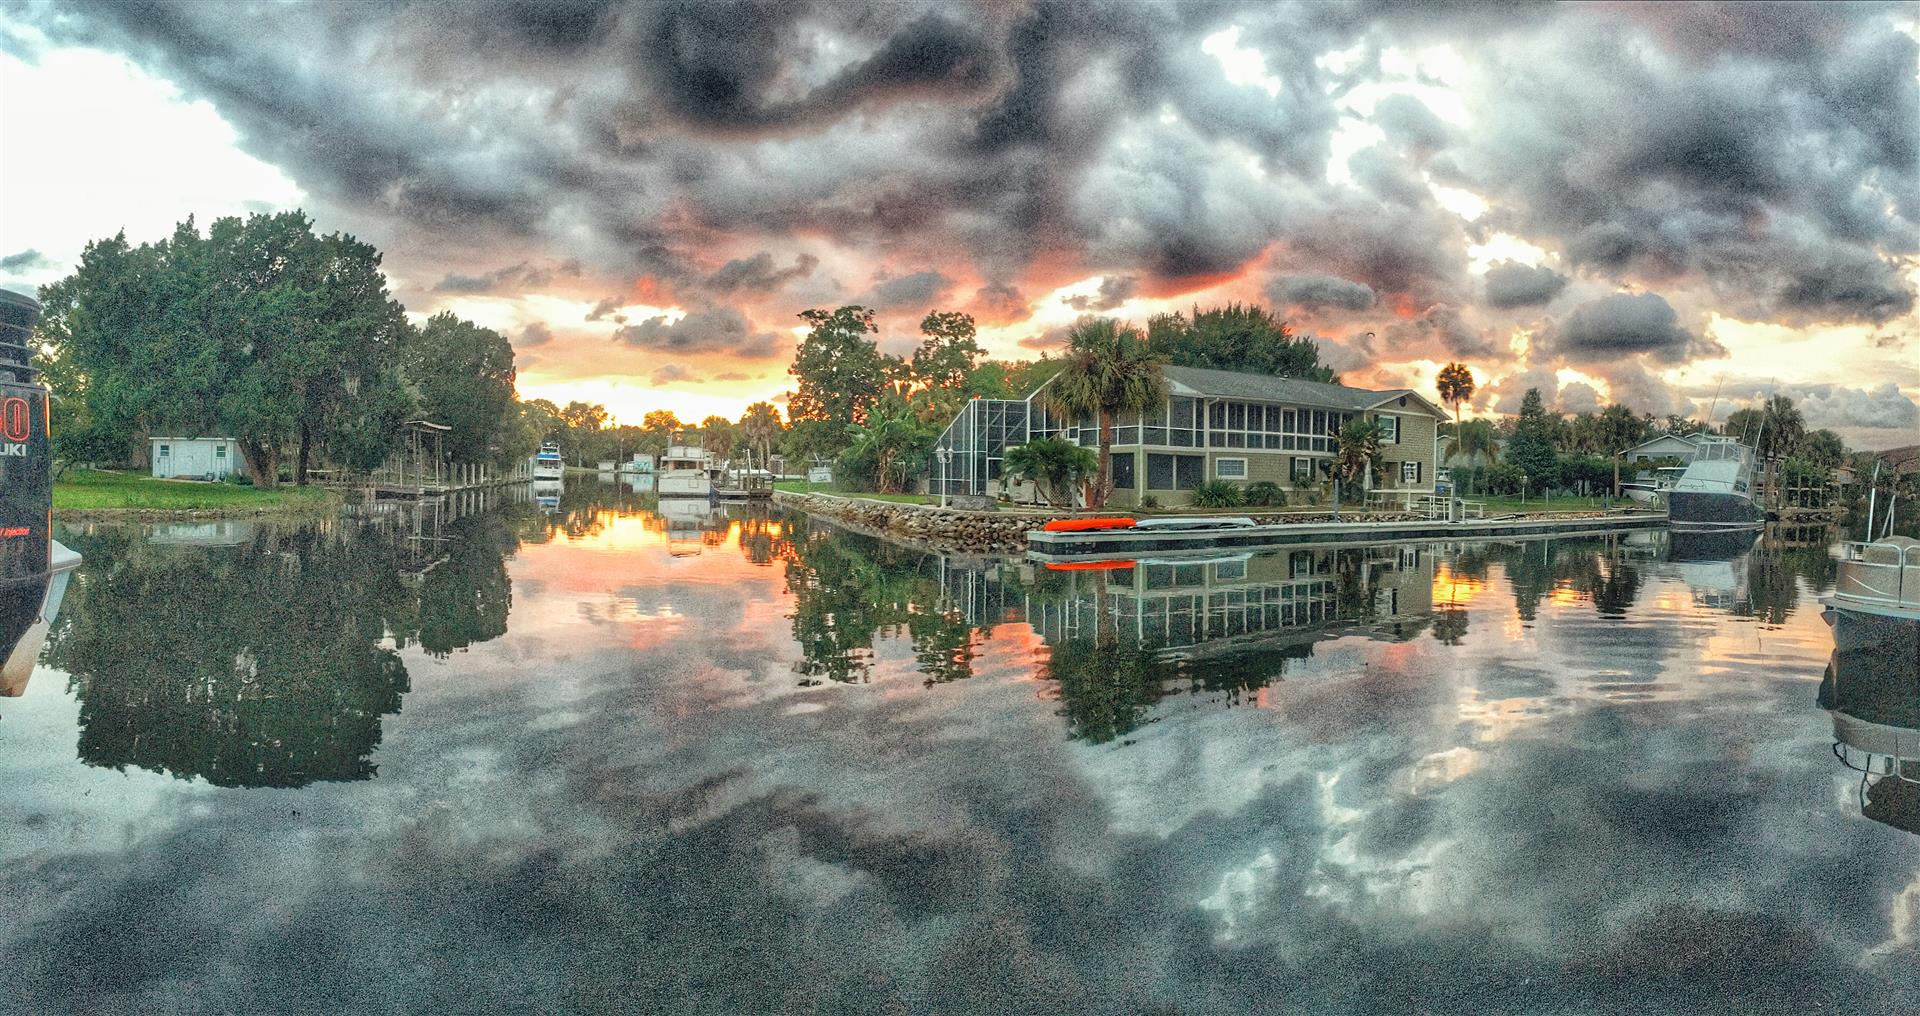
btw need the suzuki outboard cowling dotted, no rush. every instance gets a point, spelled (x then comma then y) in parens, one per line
(27, 550)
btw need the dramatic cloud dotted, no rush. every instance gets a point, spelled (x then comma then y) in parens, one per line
(916, 290)
(1836, 406)
(25, 261)
(604, 307)
(759, 274)
(535, 334)
(673, 373)
(1625, 324)
(520, 277)
(709, 330)
(1311, 292)
(1114, 291)
(1359, 164)
(1510, 284)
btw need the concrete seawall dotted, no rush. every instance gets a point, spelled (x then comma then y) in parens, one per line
(1017, 531)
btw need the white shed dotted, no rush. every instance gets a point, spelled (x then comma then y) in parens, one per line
(199, 458)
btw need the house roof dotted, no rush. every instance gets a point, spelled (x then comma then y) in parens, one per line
(1227, 384)
(1692, 439)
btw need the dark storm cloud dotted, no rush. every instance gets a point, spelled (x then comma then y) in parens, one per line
(1001, 300)
(1315, 291)
(717, 66)
(708, 330)
(605, 307)
(1511, 284)
(1768, 178)
(1625, 324)
(916, 289)
(673, 373)
(759, 273)
(513, 278)
(1114, 291)
(25, 261)
(1837, 406)
(1764, 154)
(535, 334)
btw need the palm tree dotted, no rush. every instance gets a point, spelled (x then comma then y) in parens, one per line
(889, 439)
(716, 435)
(1455, 385)
(1354, 448)
(1108, 372)
(1053, 462)
(760, 425)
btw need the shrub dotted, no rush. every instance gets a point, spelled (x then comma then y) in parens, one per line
(1219, 494)
(1149, 503)
(1265, 494)
(239, 479)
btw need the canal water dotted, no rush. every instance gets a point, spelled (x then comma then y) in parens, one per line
(586, 755)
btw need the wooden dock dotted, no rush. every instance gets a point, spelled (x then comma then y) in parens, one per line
(1047, 546)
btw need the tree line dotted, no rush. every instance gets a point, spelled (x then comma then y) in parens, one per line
(1543, 450)
(261, 330)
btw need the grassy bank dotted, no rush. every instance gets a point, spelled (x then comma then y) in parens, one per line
(86, 490)
(803, 487)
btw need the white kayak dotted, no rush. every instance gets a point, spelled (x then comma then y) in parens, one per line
(1183, 522)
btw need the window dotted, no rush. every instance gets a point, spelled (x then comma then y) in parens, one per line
(1189, 471)
(220, 451)
(1230, 469)
(1122, 472)
(166, 450)
(1389, 430)
(1410, 472)
(1230, 571)
(1302, 469)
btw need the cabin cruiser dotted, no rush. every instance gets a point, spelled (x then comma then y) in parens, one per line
(686, 471)
(34, 567)
(1716, 490)
(547, 464)
(1652, 486)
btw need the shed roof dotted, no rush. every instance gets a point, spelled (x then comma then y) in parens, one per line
(1227, 384)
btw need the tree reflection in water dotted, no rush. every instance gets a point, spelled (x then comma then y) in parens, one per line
(269, 663)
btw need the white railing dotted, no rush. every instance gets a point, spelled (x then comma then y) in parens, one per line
(1881, 573)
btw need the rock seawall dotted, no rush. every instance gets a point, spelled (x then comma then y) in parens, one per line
(1000, 532)
(997, 532)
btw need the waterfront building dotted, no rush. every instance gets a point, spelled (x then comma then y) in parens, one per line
(198, 458)
(1215, 425)
(1681, 447)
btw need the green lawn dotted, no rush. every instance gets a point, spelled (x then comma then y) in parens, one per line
(87, 490)
(803, 487)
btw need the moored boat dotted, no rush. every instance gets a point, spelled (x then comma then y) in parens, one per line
(685, 471)
(547, 463)
(1881, 579)
(34, 567)
(1716, 490)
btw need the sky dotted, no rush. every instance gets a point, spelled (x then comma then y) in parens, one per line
(1680, 207)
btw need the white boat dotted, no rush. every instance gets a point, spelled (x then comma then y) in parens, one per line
(1651, 488)
(686, 471)
(1716, 490)
(1181, 523)
(28, 606)
(547, 464)
(1880, 578)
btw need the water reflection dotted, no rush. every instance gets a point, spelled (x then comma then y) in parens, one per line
(1872, 689)
(256, 655)
(1552, 776)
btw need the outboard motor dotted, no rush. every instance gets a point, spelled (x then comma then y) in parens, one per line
(27, 550)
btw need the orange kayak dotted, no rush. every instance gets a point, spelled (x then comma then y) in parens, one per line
(1087, 525)
(1088, 565)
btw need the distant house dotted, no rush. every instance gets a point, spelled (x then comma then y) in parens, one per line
(198, 458)
(1666, 446)
(1215, 425)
